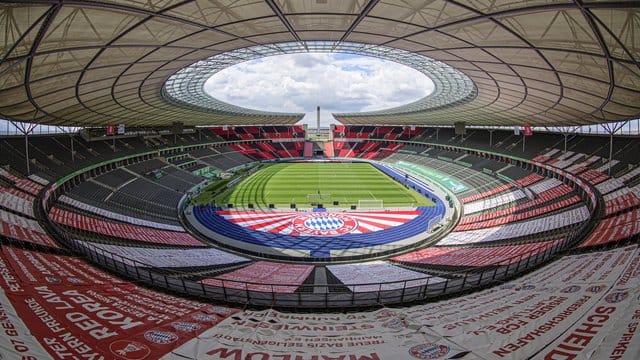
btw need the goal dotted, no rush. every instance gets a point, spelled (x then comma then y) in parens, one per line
(318, 198)
(370, 204)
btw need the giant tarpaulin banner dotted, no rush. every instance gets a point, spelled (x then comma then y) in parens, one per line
(583, 306)
(71, 310)
(592, 295)
(269, 334)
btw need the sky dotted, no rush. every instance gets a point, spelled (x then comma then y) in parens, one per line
(335, 82)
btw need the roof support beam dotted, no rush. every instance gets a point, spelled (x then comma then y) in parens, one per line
(285, 22)
(361, 16)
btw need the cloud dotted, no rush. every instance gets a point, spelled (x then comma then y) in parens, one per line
(335, 82)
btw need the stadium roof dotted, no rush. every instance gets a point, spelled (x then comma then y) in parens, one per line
(537, 62)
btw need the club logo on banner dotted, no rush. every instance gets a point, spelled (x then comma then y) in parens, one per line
(160, 337)
(385, 313)
(396, 324)
(130, 350)
(218, 310)
(204, 318)
(616, 297)
(570, 289)
(52, 279)
(185, 326)
(325, 224)
(429, 351)
(596, 289)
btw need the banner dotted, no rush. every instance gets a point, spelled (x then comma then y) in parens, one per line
(382, 334)
(528, 130)
(588, 333)
(32, 267)
(609, 330)
(516, 320)
(74, 313)
(584, 306)
(120, 129)
(521, 317)
(111, 129)
(16, 338)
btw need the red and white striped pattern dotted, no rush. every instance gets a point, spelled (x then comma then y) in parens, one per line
(615, 228)
(480, 256)
(123, 231)
(23, 229)
(282, 222)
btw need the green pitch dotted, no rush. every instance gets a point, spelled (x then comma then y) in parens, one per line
(286, 183)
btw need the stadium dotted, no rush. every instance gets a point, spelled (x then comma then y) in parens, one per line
(496, 217)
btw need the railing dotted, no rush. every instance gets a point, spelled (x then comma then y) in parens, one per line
(316, 295)
(320, 295)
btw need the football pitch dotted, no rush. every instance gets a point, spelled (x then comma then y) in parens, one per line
(306, 184)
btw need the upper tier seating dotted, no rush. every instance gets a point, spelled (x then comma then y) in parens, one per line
(101, 197)
(146, 190)
(115, 178)
(117, 216)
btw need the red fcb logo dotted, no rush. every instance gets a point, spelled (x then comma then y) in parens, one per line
(130, 350)
(324, 224)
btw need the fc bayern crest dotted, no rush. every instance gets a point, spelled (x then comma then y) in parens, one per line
(616, 297)
(429, 351)
(596, 289)
(204, 318)
(396, 324)
(218, 310)
(130, 350)
(570, 289)
(324, 224)
(185, 326)
(160, 337)
(53, 279)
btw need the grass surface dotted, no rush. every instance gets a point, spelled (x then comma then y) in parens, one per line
(285, 183)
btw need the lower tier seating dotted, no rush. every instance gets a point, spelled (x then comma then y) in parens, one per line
(477, 256)
(122, 231)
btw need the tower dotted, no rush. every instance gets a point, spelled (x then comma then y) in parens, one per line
(318, 120)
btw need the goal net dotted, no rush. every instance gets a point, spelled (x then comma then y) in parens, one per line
(318, 198)
(370, 204)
